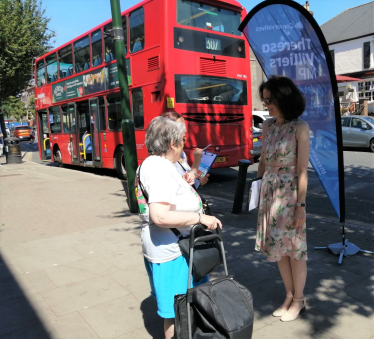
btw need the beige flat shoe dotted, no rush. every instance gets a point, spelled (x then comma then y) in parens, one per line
(289, 316)
(280, 311)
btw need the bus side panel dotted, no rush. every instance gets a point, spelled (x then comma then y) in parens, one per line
(63, 143)
(146, 65)
(108, 147)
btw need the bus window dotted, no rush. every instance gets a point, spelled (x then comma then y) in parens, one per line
(110, 51)
(194, 14)
(82, 55)
(65, 59)
(102, 114)
(137, 30)
(96, 47)
(51, 68)
(114, 111)
(40, 73)
(55, 119)
(124, 27)
(210, 90)
(137, 107)
(66, 124)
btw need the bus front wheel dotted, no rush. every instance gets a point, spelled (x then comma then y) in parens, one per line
(57, 156)
(120, 164)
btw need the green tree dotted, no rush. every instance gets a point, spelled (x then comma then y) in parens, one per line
(13, 106)
(24, 35)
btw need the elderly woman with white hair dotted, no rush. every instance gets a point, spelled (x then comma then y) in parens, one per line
(166, 201)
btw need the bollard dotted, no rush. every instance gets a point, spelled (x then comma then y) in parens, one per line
(240, 186)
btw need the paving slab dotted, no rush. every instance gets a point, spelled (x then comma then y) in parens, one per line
(48, 259)
(95, 265)
(77, 296)
(63, 275)
(119, 316)
(21, 313)
(341, 318)
(52, 243)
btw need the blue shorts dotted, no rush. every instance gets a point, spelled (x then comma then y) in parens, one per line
(167, 280)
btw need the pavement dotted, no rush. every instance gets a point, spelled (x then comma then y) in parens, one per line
(71, 265)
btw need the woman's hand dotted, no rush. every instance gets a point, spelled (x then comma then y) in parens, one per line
(299, 217)
(197, 155)
(189, 177)
(204, 180)
(210, 222)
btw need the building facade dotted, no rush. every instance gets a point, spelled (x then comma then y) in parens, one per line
(350, 36)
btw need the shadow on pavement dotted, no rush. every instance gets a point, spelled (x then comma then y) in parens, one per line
(154, 327)
(333, 291)
(19, 320)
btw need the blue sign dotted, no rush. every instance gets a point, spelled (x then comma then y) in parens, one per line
(287, 41)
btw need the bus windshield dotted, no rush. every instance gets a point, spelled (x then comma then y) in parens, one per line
(209, 17)
(210, 90)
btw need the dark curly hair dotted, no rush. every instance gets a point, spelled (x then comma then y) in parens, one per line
(171, 115)
(286, 96)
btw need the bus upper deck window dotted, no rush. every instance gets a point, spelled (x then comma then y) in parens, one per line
(51, 61)
(65, 58)
(137, 30)
(124, 27)
(96, 46)
(110, 51)
(82, 55)
(40, 73)
(194, 14)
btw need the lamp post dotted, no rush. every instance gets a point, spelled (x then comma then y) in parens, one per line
(127, 124)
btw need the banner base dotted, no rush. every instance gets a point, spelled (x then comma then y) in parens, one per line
(344, 248)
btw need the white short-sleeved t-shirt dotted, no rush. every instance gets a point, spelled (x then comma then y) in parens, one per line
(163, 183)
(184, 167)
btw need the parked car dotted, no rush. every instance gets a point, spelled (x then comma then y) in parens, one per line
(258, 118)
(22, 132)
(358, 131)
(257, 144)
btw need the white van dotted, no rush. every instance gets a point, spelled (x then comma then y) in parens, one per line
(258, 118)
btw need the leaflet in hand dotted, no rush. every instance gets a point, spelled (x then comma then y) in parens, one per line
(206, 163)
(254, 193)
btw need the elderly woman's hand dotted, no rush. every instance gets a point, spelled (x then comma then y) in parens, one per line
(189, 177)
(210, 222)
(197, 155)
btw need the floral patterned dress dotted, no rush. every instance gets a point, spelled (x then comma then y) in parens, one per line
(276, 237)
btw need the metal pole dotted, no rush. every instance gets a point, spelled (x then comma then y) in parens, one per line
(128, 131)
(240, 186)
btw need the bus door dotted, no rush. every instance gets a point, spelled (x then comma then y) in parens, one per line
(43, 135)
(74, 133)
(95, 132)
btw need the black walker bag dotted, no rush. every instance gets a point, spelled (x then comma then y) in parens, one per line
(218, 309)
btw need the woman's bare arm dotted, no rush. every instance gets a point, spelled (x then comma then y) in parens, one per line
(162, 215)
(261, 165)
(303, 142)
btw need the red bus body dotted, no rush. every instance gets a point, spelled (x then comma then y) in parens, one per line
(200, 73)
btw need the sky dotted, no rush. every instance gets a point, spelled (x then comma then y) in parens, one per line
(71, 18)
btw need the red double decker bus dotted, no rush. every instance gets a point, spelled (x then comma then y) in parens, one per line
(180, 55)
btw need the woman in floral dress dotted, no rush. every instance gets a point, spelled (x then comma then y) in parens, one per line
(281, 229)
